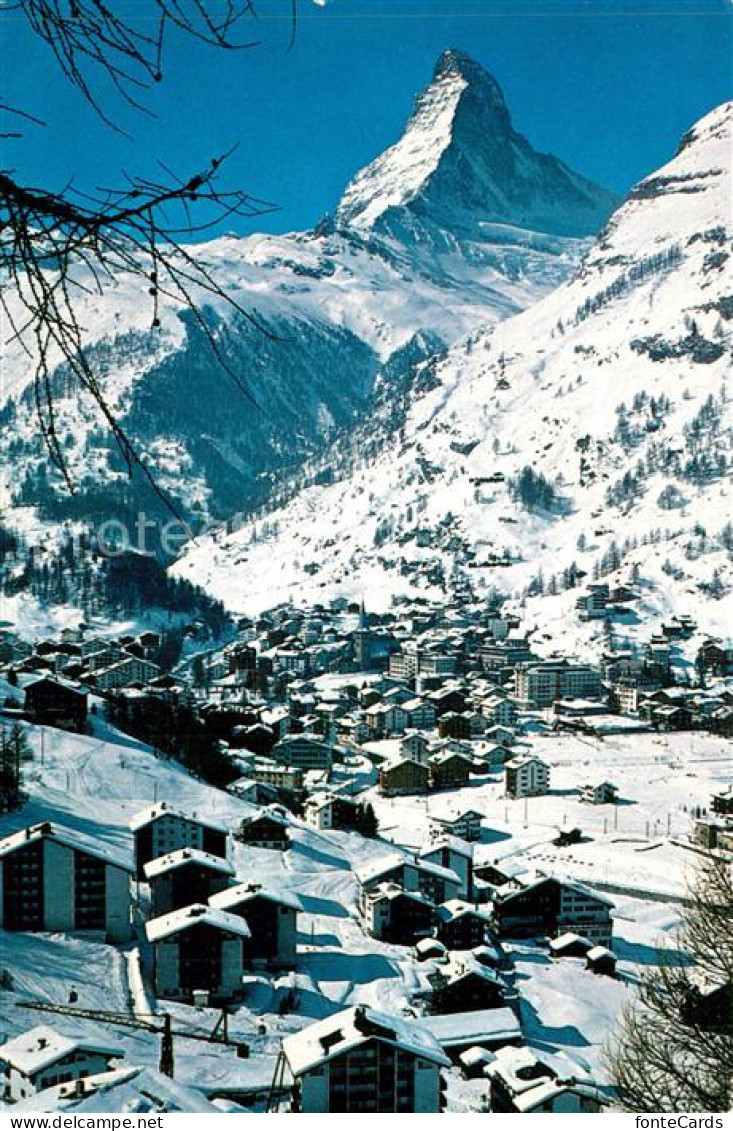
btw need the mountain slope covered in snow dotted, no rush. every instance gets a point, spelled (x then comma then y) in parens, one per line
(611, 390)
(335, 304)
(461, 169)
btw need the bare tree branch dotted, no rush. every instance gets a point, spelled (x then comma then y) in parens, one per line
(57, 247)
(674, 1048)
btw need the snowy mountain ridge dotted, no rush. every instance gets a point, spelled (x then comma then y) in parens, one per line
(460, 169)
(338, 303)
(611, 389)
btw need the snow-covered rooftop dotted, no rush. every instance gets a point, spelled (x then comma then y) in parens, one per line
(249, 890)
(475, 1027)
(184, 856)
(353, 1027)
(197, 914)
(71, 838)
(162, 809)
(42, 1046)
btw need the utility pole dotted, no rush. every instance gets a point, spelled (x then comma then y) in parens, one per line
(167, 1065)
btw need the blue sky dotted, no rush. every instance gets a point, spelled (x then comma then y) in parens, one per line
(608, 86)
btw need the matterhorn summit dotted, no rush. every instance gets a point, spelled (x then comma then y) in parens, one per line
(460, 167)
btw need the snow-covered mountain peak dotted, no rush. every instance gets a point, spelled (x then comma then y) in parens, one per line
(610, 392)
(715, 127)
(461, 168)
(455, 64)
(680, 204)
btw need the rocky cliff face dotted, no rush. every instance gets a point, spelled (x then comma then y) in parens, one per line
(461, 170)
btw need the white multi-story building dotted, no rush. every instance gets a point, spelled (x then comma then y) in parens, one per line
(199, 949)
(540, 685)
(526, 776)
(451, 852)
(465, 824)
(126, 672)
(272, 918)
(53, 878)
(533, 1081)
(365, 1061)
(161, 829)
(42, 1058)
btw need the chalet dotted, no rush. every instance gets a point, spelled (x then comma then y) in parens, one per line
(602, 794)
(500, 710)
(185, 876)
(361, 1060)
(503, 735)
(549, 906)
(354, 728)
(267, 828)
(453, 724)
(398, 916)
(478, 724)
(708, 831)
(450, 852)
(465, 986)
(721, 722)
(374, 718)
(715, 658)
(722, 801)
(495, 757)
(594, 603)
(706, 1005)
(489, 1028)
(403, 776)
(258, 738)
(427, 949)
(420, 714)
(461, 926)
(492, 954)
(272, 918)
(526, 776)
(42, 1058)
(161, 829)
(438, 883)
(415, 747)
(449, 770)
(447, 699)
(528, 1080)
(278, 720)
(667, 717)
(601, 960)
(199, 948)
(56, 702)
(465, 824)
(501, 873)
(570, 945)
(53, 878)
